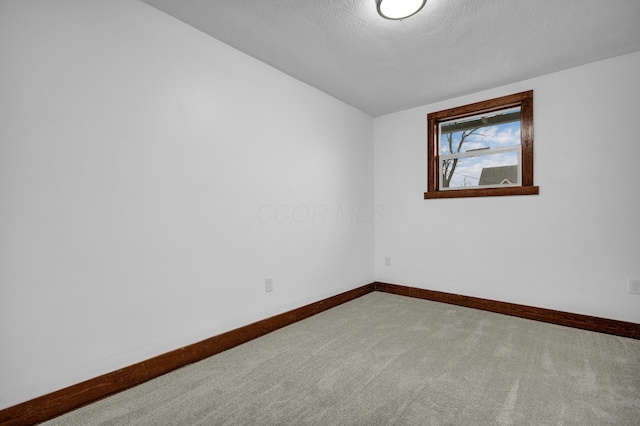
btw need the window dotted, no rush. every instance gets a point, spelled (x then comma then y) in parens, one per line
(483, 149)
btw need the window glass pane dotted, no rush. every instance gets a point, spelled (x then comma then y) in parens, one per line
(483, 170)
(496, 130)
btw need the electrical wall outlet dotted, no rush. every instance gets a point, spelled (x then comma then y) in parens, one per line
(387, 261)
(268, 284)
(634, 286)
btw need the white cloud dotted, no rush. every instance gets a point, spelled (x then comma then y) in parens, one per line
(500, 136)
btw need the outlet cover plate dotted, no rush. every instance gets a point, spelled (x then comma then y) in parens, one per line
(634, 286)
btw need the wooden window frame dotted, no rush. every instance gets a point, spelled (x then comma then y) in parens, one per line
(524, 100)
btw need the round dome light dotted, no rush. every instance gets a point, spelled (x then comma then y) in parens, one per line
(399, 9)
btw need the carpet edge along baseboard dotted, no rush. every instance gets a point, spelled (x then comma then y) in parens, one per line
(68, 399)
(584, 322)
(73, 397)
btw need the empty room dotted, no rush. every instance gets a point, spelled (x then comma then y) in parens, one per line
(285, 212)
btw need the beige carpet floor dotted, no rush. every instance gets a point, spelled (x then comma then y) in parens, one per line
(390, 360)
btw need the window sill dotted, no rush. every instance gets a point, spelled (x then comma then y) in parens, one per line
(486, 192)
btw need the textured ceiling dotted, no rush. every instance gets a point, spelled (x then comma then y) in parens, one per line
(450, 48)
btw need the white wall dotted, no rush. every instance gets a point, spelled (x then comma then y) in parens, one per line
(572, 248)
(151, 177)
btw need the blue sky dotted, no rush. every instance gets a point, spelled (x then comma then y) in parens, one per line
(468, 170)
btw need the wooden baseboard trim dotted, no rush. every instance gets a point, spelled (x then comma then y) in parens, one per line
(68, 399)
(584, 322)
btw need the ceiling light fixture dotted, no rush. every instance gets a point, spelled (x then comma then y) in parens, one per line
(399, 9)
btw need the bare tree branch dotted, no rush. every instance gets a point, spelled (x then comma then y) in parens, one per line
(449, 167)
